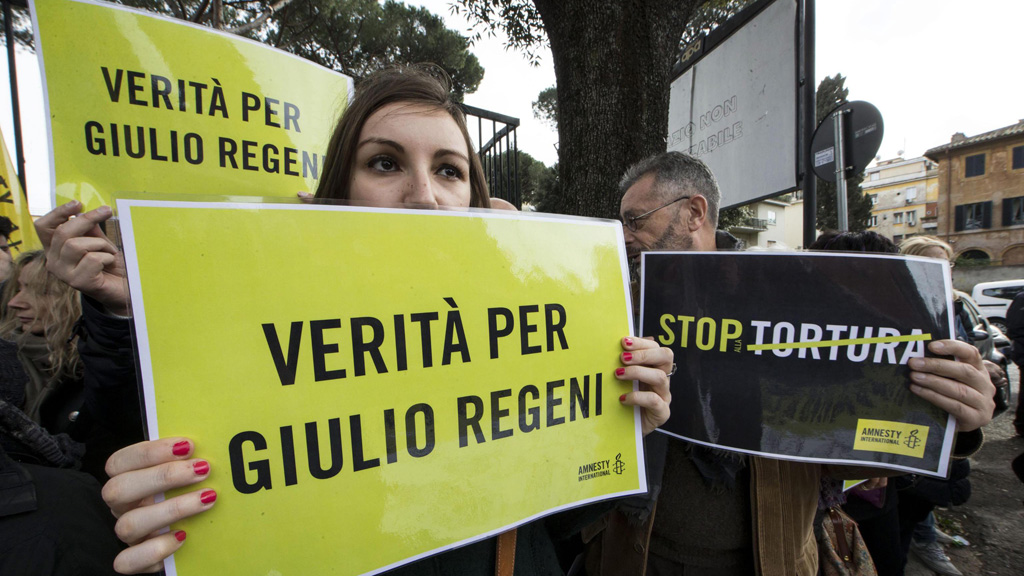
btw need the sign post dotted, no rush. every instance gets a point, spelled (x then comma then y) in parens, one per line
(837, 125)
(844, 144)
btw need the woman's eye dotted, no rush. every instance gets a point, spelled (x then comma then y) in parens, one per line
(383, 163)
(451, 172)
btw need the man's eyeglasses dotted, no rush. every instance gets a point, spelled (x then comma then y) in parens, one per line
(634, 223)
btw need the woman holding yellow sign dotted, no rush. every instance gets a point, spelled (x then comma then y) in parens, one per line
(402, 141)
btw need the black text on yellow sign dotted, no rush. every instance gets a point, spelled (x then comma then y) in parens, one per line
(529, 329)
(137, 88)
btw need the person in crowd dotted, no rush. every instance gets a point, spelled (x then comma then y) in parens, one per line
(927, 246)
(39, 315)
(12, 375)
(712, 512)
(927, 540)
(52, 518)
(401, 141)
(1015, 332)
(56, 333)
(888, 513)
(6, 229)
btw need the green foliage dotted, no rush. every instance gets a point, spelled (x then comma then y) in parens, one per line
(22, 26)
(709, 16)
(734, 216)
(536, 180)
(548, 197)
(831, 92)
(545, 107)
(360, 36)
(518, 20)
(355, 37)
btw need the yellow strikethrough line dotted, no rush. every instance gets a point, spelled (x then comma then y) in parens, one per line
(847, 342)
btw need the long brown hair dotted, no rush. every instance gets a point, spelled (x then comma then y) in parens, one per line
(426, 85)
(59, 305)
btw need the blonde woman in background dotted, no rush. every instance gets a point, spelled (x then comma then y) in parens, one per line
(927, 246)
(53, 521)
(927, 540)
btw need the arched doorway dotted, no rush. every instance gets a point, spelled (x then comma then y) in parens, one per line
(973, 257)
(1014, 255)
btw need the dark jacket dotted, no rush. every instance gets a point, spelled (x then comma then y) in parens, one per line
(1015, 328)
(53, 521)
(101, 409)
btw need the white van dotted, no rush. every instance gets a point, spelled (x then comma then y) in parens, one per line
(993, 298)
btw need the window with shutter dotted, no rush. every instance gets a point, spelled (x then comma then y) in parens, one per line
(974, 165)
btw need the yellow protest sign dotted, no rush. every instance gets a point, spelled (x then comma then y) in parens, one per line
(14, 205)
(138, 102)
(377, 385)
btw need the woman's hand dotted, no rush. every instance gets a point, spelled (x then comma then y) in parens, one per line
(649, 364)
(80, 254)
(961, 388)
(137, 474)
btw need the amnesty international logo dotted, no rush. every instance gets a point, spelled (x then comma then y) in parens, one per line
(891, 437)
(912, 441)
(592, 470)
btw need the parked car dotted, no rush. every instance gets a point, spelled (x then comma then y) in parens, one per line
(993, 298)
(988, 339)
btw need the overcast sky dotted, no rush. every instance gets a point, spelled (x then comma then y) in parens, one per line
(932, 67)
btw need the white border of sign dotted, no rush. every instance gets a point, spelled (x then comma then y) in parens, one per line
(124, 207)
(948, 437)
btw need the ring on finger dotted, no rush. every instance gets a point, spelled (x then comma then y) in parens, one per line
(672, 371)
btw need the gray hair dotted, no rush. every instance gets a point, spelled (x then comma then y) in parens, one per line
(675, 173)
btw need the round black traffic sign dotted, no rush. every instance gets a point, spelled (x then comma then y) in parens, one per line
(862, 137)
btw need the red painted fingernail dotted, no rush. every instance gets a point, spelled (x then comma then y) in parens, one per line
(620, 371)
(179, 535)
(180, 448)
(629, 341)
(622, 398)
(208, 497)
(201, 468)
(627, 356)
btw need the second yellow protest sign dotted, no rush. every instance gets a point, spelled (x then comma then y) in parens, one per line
(138, 102)
(377, 385)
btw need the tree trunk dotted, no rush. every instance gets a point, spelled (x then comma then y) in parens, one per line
(613, 62)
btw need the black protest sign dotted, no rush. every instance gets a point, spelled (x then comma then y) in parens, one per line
(801, 356)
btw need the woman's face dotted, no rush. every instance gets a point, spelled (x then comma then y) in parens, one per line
(411, 154)
(29, 305)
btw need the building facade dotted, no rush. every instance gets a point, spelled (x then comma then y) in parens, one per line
(904, 196)
(980, 208)
(773, 222)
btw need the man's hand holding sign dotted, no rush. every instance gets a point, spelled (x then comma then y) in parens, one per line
(962, 388)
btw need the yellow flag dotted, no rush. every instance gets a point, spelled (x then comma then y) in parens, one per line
(14, 205)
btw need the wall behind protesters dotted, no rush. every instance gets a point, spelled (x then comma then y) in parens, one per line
(966, 277)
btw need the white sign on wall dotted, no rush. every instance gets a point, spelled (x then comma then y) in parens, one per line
(736, 108)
